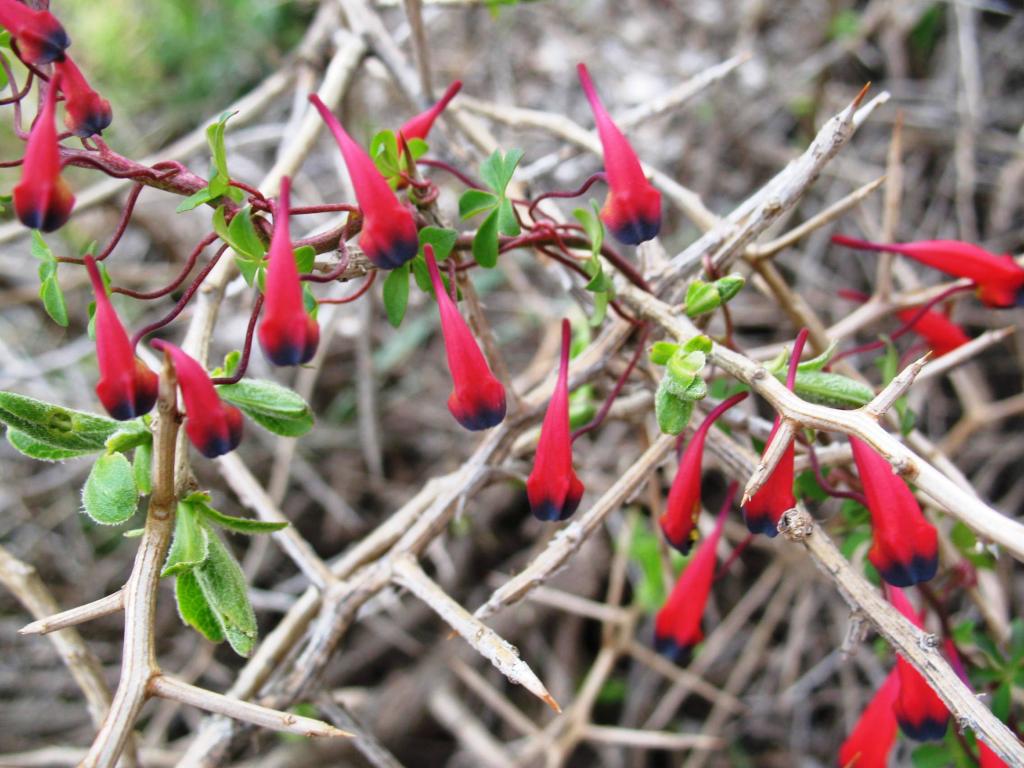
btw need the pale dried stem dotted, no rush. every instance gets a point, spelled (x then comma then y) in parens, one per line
(421, 52)
(482, 638)
(773, 454)
(176, 690)
(493, 698)
(97, 609)
(965, 353)
(369, 747)
(467, 729)
(633, 737)
(895, 389)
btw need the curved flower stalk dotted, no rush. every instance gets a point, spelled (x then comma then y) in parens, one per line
(905, 548)
(85, 112)
(871, 740)
(39, 36)
(389, 237)
(632, 210)
(127, 387)
(214, 427)
(920, 712)
(677, 628)
(553, 489)
(419, 126)
(478, 398)
(287, 334)
(679, 521)
(999, 278)
(43, 199)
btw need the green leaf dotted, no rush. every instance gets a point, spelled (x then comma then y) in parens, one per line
(508, 224)
(807, 487)
(421, 274)
(223, 585)
(39, 249)
(831, 389)
(54, 425)
(110, 496)
(215, 138)
(305, 258)
(673, 412)
(485, 242)
(417, 147)
(142, 468)
(441, 240)
(729, 286)
(701, 298)
(131, 434)
(931, 756)
(243, 237)
(474, 201)
(384, 151)
(650, 591)
(194, 609)
(53, 300)
(599, 282)
(600, 308)
(684, 367)
(589, 219)
(498, 169)
(191, 543)
(37, 450)
(272, 406)
(396, 294)
(244, 525)
(251, 271)
(699, 343)
(661, 352)
(194, 200)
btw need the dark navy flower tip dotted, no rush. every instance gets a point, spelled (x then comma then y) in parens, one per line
(293, 349)
(761, 524)
(478, 416)
(45, 213)
(216, 436)
(130, 401)
(927, 729)
(550, 511)
(392, 255)
(92, 121)
(636, 230)
(46, 43)
(918, 569)
(1020, 298)
(676, 652)
(681, 545)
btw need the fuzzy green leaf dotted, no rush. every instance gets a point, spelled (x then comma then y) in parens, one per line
(272, 406)
(109, 496)
(673, 412)
(223, 585)
(54, 425)
(191, 543)
(831, 389)
(661, 352)
(142, 468)
(194, 609)
(131, 434)
(243, 525)
(41, 451)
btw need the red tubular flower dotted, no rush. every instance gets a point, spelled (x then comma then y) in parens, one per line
(871, 740)
(905, 549)
(214, 427)
(40, 37)
(127, 387)
(287, 334)
(85, 111)
(632, 210)
(998, 277)
(677, 627)
(419, 126)
(553, 489)
(940, 333)
(921, 713)
(42, 199)
(987, 758)
(389, 237)
(478, 399)
(679, 521)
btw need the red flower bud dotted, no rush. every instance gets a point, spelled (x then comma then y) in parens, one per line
(287, 334)
(419, 126)
(905, 548)
(998, 277)
(478, 399)
(764, 509)
(987, 758)
(940, 333)
(42, 199)
(679, 521)
(214, 427)
(871, 740)
(39, 36)
(632, 210)
(921, 713)
(677, 627)
(553, 489)
(389, 237)
(85, 111)
(127, 387)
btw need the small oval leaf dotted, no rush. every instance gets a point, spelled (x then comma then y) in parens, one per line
(109, 495)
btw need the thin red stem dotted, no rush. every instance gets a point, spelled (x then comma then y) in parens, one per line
(606, 406)
(370, 278)
(177, 281)
(243, 363)
(122, 224)
(563, 194)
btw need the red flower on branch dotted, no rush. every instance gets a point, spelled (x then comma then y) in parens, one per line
(478, 398)
(39, 36)
(552, 488)
(127, 387)
(43, 199)
(632, 210)
(871, 740)
(677, 627)
(85, 111)
(213, 426)
(940, 333)
(998, 277)
(389, 237)
(905, 548)
(679, 521)
(419, 126)
(287, 334)
(921, 713)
